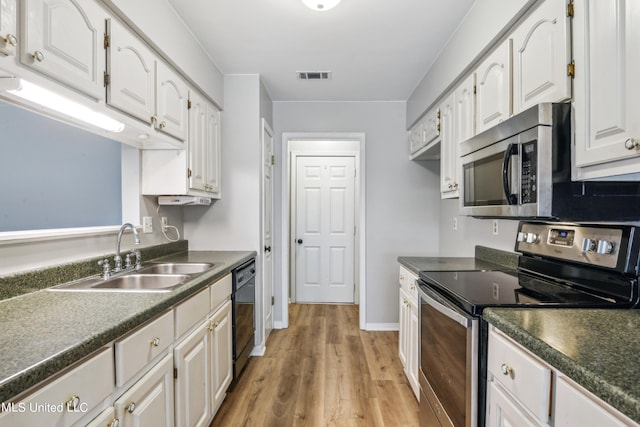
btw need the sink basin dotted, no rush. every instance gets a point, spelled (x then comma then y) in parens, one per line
(176, 268)
(154, 277)
(144, 282)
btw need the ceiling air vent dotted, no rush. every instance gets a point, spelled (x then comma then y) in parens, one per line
(314, 75)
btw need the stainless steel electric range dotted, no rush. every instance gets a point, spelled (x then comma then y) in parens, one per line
(562, 265)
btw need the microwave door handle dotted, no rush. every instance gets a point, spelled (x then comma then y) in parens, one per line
(512, 149)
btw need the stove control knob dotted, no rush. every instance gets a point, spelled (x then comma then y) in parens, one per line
(521, 236)
(588, 245)
(605, 247)
(532, 238)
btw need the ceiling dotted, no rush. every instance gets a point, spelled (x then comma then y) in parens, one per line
(377, 50)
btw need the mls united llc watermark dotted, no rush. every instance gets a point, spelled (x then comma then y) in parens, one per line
(46, 407)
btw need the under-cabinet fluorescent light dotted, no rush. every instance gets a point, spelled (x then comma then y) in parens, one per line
(41, 96)
(321, 5)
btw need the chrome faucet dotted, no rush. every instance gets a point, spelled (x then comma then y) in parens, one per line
(117, 258)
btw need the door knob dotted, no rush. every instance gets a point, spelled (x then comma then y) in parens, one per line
(299, 241)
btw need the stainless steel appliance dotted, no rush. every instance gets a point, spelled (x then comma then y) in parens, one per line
(521, 168)
(243, 299)
(562, 265)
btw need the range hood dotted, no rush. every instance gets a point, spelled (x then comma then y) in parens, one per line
(184, 200)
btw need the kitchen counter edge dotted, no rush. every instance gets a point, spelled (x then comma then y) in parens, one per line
(69, 345)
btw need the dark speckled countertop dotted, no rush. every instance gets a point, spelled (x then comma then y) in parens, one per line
(598, 349)
(485, 259)
(43, 332)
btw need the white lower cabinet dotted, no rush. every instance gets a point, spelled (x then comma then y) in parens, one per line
(65, 401)
(521, 392)
(409, 340)
(107, 418)
(149, 402)
(204, 358)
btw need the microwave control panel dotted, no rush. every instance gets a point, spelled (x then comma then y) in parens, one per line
(529, 171)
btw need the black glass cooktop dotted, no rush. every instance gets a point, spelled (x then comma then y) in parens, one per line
(475, 290)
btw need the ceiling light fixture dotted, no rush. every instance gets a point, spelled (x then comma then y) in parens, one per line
(321, 5)
(45, 98)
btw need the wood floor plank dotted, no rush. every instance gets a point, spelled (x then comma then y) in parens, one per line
(323, 371)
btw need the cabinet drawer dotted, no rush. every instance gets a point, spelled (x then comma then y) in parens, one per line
(523, 376)
(220, 292)
(89, 384)
(141, 347)
(409, 282)
(192, 311)
(107, 418)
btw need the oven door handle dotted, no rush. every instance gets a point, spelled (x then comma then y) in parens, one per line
(512, 149)
(446, 308)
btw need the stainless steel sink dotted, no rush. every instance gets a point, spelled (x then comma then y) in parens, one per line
(159, 277)
(190, 268)
(144, 282)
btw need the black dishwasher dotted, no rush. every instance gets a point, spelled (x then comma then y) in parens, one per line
(243, 299)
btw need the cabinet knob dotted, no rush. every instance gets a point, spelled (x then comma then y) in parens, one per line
(73, 403)
(114, 423)
(631, 144)
(131, 407)
(153, 120)
(38, 56)
(506, 370)
(155, 341)
(163, 125)
(11, 40)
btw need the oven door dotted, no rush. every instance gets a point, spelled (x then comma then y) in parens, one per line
(491, 179)
(448, 362)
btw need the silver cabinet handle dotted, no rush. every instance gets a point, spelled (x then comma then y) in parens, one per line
(131, 407)
(506, 370)
(155, 341)
(38, 56)
(114, 423)
(73, 403)
(11, 40)
(631, 144)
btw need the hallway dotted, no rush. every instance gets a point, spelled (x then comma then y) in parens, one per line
(323, 371)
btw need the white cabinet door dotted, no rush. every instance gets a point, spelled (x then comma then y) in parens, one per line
(171, 102)
(212, 150)
(431, 126)
(541, 54)
(404, 330)
(493, 83)
(193, 383)
(576, 408)
(416, 138)
(107, 418)
(503, 411)
(413, 348)
(448, 149)
(8, 27)
(606, 86)
(221, 354)
(131, 66)
(197, 138)
(149, 402)
(63, 39)
(465, 110)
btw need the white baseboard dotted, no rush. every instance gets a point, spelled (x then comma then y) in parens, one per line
(278, 324)
(259, 350)
(382, 327)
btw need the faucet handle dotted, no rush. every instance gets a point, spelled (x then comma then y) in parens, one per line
(106, 268)
(138, 255)
(127, 261)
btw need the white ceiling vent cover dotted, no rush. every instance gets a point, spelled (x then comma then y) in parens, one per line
(314, 75)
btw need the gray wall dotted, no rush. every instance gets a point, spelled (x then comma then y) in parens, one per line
(402, 197)
(471, 232)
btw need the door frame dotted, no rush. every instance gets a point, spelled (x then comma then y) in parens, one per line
(265, 128)
(322, 144)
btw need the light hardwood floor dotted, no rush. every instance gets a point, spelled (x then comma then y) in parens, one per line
(323, 371)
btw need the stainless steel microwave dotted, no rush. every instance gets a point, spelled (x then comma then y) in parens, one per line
(521, 168)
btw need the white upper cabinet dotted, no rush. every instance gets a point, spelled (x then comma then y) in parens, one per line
(171, 102)
(448, 150)
(541, 56)
(424, 137)
(465, 109)
(493, 87)
(8, 28)
(204, 146)
(606, 87)
(131, 68)
(63, 39)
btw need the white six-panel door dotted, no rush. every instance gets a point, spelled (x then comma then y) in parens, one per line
(267, 227)
(325, 228)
